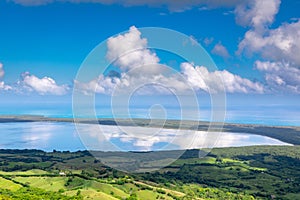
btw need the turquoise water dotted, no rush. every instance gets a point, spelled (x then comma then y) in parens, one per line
(65, 137)
(266, 115)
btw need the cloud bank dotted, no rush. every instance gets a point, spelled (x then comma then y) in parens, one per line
(280, 77)
(139, 66)
(4, 87)
(200, 78)
(278, 46)
(172, 5)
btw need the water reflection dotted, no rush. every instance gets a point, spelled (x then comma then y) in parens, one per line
(63, 136)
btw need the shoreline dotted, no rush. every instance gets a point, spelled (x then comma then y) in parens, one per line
(288, 134)
(124, 121)
(205, 150)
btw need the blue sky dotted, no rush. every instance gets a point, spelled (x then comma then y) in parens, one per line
(58, 36)
(253, 43)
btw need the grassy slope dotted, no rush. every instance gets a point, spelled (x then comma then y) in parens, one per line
(89, 189)
(226, 173)
(7, 184)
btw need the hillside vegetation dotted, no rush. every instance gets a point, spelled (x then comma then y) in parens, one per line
(257, 172)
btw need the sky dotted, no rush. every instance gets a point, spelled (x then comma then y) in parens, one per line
(254, 45)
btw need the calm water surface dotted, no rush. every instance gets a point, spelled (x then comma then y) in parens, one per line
(64, 136)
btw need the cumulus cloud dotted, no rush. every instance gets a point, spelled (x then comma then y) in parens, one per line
(140, 70)
(43, 86)
(280, 77)
(200, 78)
(172, 5)
(189, 79)
(155, 83)
(100, 85)
(220, 50)
(133, 81)
(257, 14)
(130, 50)
(278, 44)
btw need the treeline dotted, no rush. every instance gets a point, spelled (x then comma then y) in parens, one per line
(29, 193)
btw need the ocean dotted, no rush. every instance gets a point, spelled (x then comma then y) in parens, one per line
(279, 115)
(65, 136)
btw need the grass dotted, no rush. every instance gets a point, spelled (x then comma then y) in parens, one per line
(47, 183)
(7, 184)
(127, 187)
(91, 194)
(28, 172)
(151, 195)
(109, 189)
(206, 160)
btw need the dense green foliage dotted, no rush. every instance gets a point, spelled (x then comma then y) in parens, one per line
(29, 193)
(261, 172)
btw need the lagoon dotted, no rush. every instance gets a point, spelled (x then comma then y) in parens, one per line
(64, 136)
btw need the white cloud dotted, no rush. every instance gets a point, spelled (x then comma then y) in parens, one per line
(132, 81)
(130, 50)
(3, 86)
(100, 85)
(189, 79)
(1, 71)
(280, 77)
(172, 5)
(141, 72)
(45, 85)
(220, 50)
(200, 78)
(257, 14)
(279, 44)
(154, 84)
